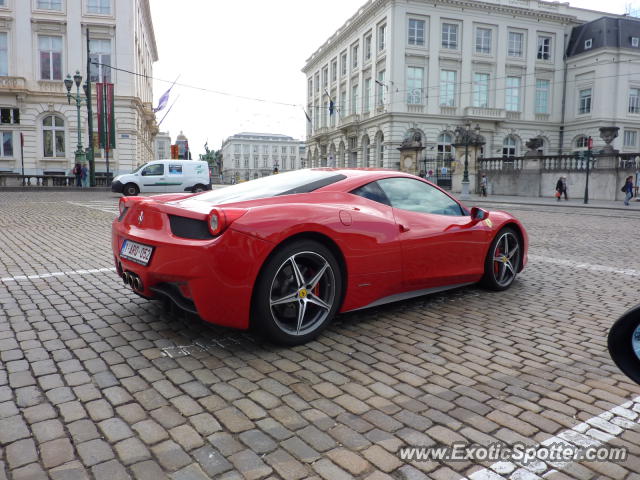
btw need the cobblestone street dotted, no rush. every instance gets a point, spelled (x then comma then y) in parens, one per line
(96, 382)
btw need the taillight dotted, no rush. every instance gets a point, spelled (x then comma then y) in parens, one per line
(122, 205)
(219, 219)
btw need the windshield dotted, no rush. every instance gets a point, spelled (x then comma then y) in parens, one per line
(300, 181)
(140, 168)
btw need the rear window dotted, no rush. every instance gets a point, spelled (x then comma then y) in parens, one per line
(299, 181)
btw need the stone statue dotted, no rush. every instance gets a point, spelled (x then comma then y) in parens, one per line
(533, 145)
(413, 139)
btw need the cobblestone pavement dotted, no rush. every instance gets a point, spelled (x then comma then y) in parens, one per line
(96, 382)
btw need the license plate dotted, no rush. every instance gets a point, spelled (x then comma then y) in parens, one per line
(136, 252)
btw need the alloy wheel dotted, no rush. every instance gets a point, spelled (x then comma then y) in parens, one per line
(506, 259)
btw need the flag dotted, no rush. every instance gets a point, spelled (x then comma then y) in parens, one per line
(106, 119)
(331, 107)
(164, 99)
(307, 115)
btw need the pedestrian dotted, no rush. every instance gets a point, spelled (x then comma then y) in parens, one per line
(628, 189)
(561, 188)
(85, 176)
(77, 172)
(484, 185)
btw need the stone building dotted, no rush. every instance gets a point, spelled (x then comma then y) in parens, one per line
(516, 69)
(43, 40)
(253, 155)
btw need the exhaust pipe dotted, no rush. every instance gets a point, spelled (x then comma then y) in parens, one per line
(125, 277)
(137, 283)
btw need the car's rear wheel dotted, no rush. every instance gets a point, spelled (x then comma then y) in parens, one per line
(298, 293)
(130, 190)
(198, 188)
(503, 260)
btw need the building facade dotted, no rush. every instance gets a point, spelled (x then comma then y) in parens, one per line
(404, 69)
(43, 40)
(162, 143)
(246, 156)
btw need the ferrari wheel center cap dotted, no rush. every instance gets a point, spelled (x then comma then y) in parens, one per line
(504, 259)
(302, 293)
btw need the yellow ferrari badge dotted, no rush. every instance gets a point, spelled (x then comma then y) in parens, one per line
(488, 223)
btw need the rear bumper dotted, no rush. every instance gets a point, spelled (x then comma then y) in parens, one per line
(213, 279)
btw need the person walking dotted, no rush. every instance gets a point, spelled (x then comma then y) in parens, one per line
(77, 172)
(628, 189)
(85, 176)
(484, 185)
(561, 188)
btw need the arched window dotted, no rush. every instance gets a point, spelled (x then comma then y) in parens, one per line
(380, 149)
(53, 136)
(445, 149)
(366, 152)
(582, 142)
(509, 147)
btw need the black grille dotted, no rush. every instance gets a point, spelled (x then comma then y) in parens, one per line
(189, 228)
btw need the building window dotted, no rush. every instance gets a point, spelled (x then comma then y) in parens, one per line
(53, 136)
(325, 77)
(588, 44)
(236, 148)
(382, 37)
(100, 54)
(354, 56)
(367, 47)
(415, 77)
(544, 48)
(50, 57)
(246, 162)
(49, 5)
(512, 100)
(516, 44)
(354, 99)
(630, 138)
(4, 55)
(481, 90)
(445, 147)
(448, 88)
(316, 80)
(634, 100)
(6, 147)
(367, 95)
(509, 147)
(310, 87)
(343, 64)
(334, 70)
(382, 88)
(416, 32)
(483, 40)
(582, 142)
(343, 102)
(584, 105)
(450, 36)
(101, 7)
(9, 116)
(542, 96)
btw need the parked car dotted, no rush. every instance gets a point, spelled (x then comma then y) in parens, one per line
(285, 253)
(165, 176)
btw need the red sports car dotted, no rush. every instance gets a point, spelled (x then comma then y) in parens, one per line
(285, 253)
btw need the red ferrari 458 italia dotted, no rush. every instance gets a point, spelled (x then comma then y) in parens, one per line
(285, 253)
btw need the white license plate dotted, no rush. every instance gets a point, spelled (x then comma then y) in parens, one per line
(136, 252)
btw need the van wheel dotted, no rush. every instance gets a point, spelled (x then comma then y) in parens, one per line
(198, 188)
(131, 190)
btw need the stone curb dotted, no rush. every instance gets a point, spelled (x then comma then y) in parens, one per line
(555, 204)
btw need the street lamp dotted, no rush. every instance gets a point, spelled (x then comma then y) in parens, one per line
(467, 137)
(68, 83)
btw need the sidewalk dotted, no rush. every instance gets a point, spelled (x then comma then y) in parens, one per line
(551, 202)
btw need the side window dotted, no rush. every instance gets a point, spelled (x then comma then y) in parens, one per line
(420, 197)
(175, 169)
(156, 169)
(372, 191)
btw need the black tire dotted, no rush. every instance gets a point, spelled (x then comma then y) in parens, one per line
(198, 188)
(130, 190)
(278, 282)
(623, 340)
(500, 268)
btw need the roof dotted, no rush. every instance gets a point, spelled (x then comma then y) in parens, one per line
(613, 32)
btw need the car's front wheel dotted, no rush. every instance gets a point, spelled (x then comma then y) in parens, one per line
(298, 293)
(503, 260)
(131, 190)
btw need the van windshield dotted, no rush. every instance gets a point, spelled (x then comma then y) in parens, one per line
(140, 167)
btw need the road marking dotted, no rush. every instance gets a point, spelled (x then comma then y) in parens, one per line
(595, 432)
(56, 274)
(585, 266)
(101, 205)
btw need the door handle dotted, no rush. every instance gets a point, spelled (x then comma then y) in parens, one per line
(403, 228)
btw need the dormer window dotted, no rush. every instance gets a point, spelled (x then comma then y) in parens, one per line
(588, 44)
(635, 42)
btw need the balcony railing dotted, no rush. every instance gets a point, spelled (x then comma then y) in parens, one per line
(12, 83)
(485, 113)
(449, 111)
(415, 108)
(562, 163)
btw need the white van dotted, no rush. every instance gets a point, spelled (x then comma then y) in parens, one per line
(165, 176)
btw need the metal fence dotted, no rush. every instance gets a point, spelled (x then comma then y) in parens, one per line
(438, 171)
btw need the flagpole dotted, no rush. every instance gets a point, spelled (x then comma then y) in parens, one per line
(165, 115)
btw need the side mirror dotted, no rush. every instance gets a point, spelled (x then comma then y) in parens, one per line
(624, 343)
(478, 214)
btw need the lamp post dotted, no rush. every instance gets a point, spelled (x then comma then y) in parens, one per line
(468, 138)
(68, 83)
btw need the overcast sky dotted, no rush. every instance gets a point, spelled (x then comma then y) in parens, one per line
(247, 48)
